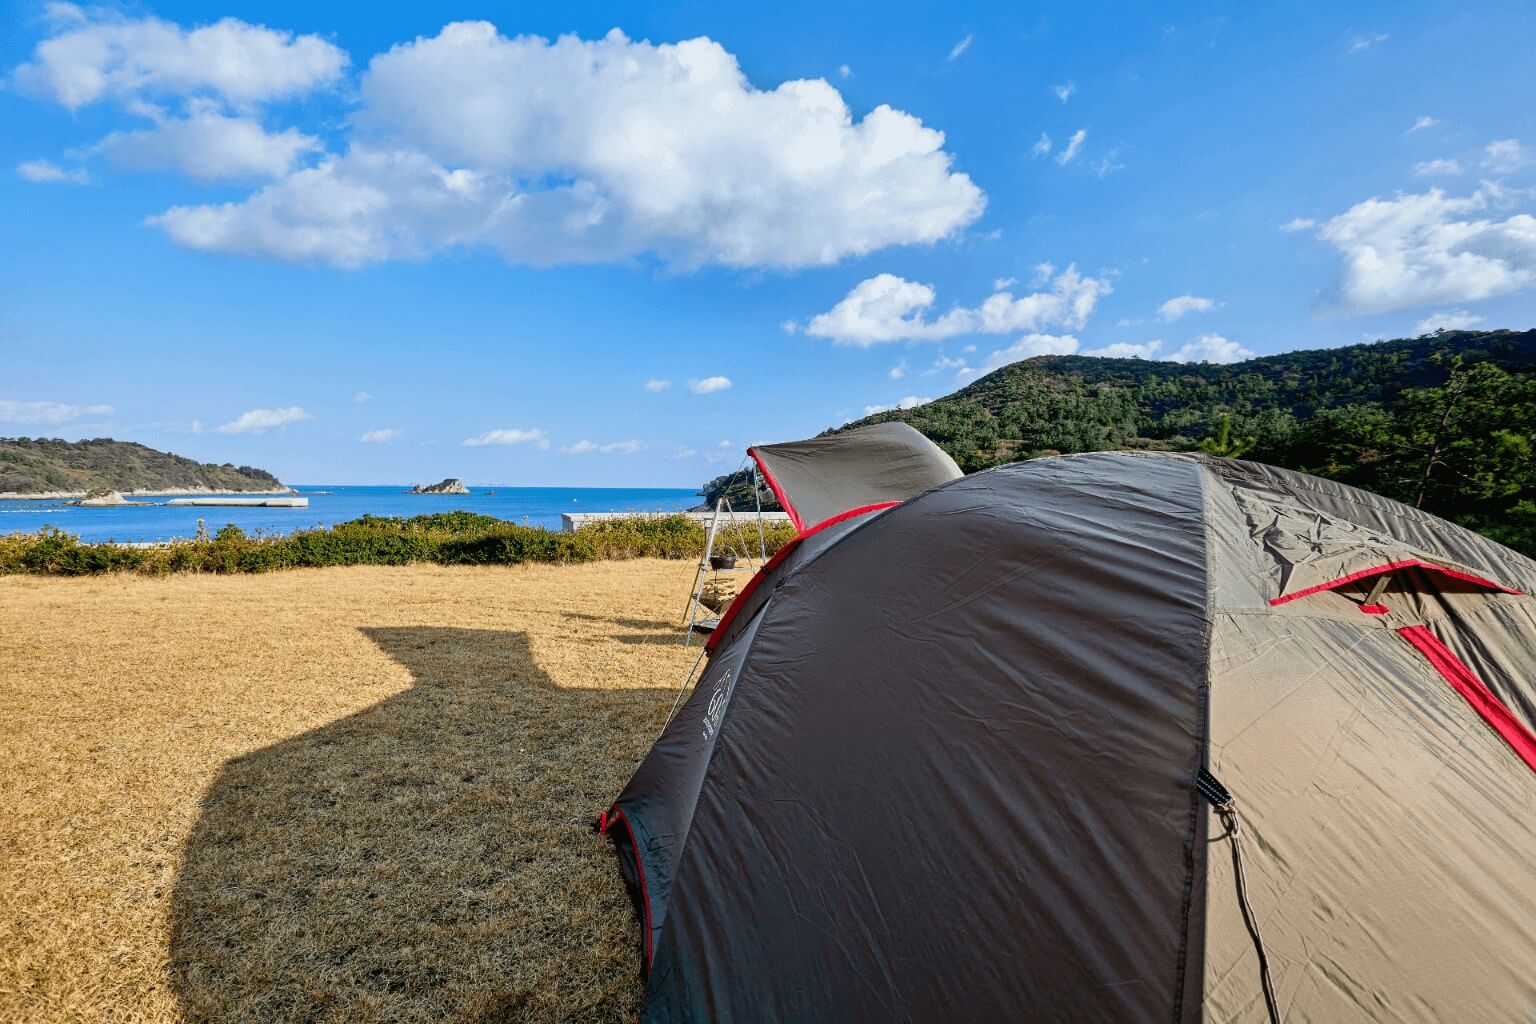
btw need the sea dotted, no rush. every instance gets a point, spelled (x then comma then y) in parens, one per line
(330, 504)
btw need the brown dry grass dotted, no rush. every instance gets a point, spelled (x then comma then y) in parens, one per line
(331, 794)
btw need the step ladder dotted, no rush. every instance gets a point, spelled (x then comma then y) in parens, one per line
(700, 618)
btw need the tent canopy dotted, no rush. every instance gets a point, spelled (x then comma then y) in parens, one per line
(824, 476)
(942, 766)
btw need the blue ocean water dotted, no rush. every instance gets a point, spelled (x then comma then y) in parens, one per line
(534, 506)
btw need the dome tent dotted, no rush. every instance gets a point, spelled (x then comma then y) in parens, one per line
(945, 766)
(819, 478)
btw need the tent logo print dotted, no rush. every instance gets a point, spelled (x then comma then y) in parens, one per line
(717, 701)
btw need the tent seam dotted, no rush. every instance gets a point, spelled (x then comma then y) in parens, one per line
(1202, 746)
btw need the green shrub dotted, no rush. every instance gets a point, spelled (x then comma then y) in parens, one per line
(445, 538)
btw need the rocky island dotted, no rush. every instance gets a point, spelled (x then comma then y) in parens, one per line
(451, 485)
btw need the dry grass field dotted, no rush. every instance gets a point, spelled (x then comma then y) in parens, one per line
(325, 795)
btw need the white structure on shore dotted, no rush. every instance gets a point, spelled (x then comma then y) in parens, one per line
(570, 522)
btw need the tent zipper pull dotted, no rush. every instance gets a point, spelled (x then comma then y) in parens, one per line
(1225, 806)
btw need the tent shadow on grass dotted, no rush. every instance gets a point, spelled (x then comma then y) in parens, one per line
(415, 861)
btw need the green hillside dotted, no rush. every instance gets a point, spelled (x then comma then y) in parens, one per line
(42, 465)
(1446, 422)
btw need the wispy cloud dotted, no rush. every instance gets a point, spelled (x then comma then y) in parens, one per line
(48, 412)
(1042, 146)
(1064, 91)
(1298, 224)
(1073, 148)
(259, 421)
(1424, 122)
(657, 384)
(709, 385)
(1432, 167)
(380, 436)
(1504, 156)
(844, 71)
(611, 448)
(510, 435)
(1365, 41)
(361, 397)
(46, 171)
(960, 47)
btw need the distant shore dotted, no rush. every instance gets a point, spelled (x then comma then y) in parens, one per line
(66, 495)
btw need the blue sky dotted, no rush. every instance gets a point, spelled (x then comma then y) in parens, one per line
(261, 233)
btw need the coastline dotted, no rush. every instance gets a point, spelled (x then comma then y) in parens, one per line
(174, 491)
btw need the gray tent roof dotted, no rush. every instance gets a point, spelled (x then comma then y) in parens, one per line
(824, 476)
(945, 767)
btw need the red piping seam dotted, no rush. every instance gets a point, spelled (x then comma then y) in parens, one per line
(645, 896)
(1475, 692)
(602, 824)
(1375, 609)
(778, 557)
(1389, 567)
(778, 492)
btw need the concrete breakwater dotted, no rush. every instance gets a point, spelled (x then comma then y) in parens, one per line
(243, 502)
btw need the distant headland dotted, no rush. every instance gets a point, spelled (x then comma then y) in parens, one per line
(42, 467)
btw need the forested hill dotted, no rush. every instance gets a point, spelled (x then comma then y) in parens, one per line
(47, 465)
(1446, 421)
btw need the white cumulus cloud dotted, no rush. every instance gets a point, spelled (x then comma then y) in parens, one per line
(1211, 348)
(509, 436)
(50, 172)
(709, 385)
(103, 55)
(577, 151)
(1027, 347)
(12, 411)
(380, 436)
(259, 421)
(887, 308)
(1447, 320)
(208, 145)
(1418, 249)
(1178, 306)
(611, 448)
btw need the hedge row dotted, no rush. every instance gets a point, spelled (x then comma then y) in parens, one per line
(449, 538)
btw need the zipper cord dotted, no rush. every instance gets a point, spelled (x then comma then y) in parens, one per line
(1226, 808)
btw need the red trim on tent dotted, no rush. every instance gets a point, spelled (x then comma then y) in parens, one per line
(1407, 563)
(645, 897)
(778, 557)
(778, 492)
(1474, 691)
(1375, 609)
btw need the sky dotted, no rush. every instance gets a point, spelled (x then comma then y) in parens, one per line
(612, 245)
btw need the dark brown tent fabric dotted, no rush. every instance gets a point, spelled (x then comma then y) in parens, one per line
(943, 766)
(824, 476)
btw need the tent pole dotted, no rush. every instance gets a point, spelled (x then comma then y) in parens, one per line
(762, 538)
